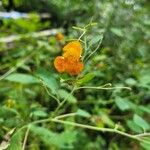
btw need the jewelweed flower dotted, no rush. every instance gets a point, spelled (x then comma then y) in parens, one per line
(59, 36)
(73, 49)
(59, 64)
(73, 66)
(70, 62)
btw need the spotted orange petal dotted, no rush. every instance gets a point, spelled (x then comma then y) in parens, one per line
(73, 66)
(73, 49)
(59, 64)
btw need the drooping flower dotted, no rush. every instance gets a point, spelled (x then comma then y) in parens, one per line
(73, 49)
(59, 36)
(59, 64)
(70, 61)
(73, 66)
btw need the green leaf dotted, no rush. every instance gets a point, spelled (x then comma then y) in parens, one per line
(117, 31)
(88, 77)
(99, 58)
(146, 22)
(83, 113)
(64, 94)
(60, 140)
(42, 133)
(141, 122)
(9, 117)
(22, 78)
(145, 143)
(106, 119)
(16, 142)
(145, 80)
(131, 81)
(134, 127)
(39, 113)
(6, 112)
(48, 79)
(122, 104)
(65, 139)
(95, 40)
(145, 109)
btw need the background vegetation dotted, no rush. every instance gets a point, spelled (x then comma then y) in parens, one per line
(29, 83)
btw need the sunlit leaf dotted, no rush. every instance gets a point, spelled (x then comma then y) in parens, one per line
(134, 127)
(7, 112)
(122, 104)
(145, 109)
(141, 122)
(39, 113)
(16, 141)
(22, 78)
(106, 119)
(66, 95)
(131, 81)
(83, 113)
(48, 79)
(88, 77)
(145, 143)
(60, 140)
(117, 31)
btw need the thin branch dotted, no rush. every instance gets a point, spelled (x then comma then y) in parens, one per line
(8, 73)
(65, 115)
(138, 137)
(45, 87)
(34, 35)
(100, 41)
(25, 138)
(78, 28)
(97, 128)
(81, 35)
(111, 130)
(63, 102)
(102, 88)
(143, 135)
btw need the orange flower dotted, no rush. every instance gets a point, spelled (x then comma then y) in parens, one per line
(59, 36)
(73, 66)
(73, 49)
(59, 64)
(70, 61)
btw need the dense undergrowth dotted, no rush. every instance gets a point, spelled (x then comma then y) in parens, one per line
(41, 108)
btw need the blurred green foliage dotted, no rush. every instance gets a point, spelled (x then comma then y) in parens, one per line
(122, 60)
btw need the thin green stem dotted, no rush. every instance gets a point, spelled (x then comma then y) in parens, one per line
(74, 40)
(66, 115)
(96, 128)
(81, 35)
(100, 41)
(78, 28)
(102, 88)
(138, 137)
(63, 102)
(142, 135)
(85, 43)
(25, 138)
(51, 95)
(8, 73)
(90, 24)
